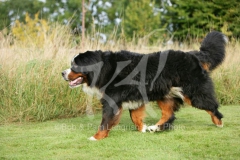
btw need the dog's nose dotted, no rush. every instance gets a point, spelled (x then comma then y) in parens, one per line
(63, 73)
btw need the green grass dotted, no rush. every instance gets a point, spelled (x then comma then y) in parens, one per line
(194, 137)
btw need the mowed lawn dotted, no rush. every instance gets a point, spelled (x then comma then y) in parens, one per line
(194, 137)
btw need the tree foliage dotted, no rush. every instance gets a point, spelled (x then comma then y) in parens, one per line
(140, 18)
(193, 18)
(31, 29)
(185, 19)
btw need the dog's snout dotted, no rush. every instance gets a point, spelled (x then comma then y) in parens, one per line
(63, 73)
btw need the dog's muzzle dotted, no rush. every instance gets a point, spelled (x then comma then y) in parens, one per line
(65, 74)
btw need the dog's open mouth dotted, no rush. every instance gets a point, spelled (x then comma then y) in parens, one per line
(76, 82)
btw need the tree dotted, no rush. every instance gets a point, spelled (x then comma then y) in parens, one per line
(108, 14)
(66, 12)
(186, 19)
(230, 16)
(12, 10)
(193, 18)
(140, 18)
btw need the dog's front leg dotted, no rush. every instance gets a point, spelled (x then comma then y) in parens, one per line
(109, 120)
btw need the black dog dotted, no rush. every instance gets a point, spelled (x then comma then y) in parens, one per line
(130, 79)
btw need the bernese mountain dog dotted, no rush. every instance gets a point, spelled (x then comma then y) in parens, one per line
(131, 80)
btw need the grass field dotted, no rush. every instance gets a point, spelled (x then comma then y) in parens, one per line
(194, 137)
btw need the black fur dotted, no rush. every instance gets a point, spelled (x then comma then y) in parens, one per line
(182, 69)
(212, 50)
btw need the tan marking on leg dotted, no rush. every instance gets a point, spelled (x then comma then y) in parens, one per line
(167, 110)
(106, 129)
(215, 120)
(101, 134)
(137, 117)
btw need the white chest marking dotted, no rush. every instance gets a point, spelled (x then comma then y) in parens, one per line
(91, 91)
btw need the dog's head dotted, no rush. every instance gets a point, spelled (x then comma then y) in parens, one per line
(81, 67)
(74, 77)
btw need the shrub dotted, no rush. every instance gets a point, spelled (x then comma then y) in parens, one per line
(31, 30)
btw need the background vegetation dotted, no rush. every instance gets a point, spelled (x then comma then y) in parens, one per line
(31, 86)
(34, 49)
(183, 19)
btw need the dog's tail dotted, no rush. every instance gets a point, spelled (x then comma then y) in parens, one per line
(212, 50)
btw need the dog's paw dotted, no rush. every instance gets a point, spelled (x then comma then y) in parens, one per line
(153, 129)
(92, 139)
(144, 129)
(220, 125)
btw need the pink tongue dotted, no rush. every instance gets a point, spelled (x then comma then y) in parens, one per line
(76, 81)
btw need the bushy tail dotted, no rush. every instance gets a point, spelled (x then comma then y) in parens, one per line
(212, 50)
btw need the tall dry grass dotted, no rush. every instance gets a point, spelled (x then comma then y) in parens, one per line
(32, 89)
(31, 84)
(227, 77)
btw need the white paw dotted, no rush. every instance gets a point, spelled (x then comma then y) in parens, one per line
(153, 129)
(144, 128)
(220, 126)
(92, 139)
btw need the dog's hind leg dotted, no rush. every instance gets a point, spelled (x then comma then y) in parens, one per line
(203, 104)
(137, 116)
(216, 119)
(167, 107)
(169, 104)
